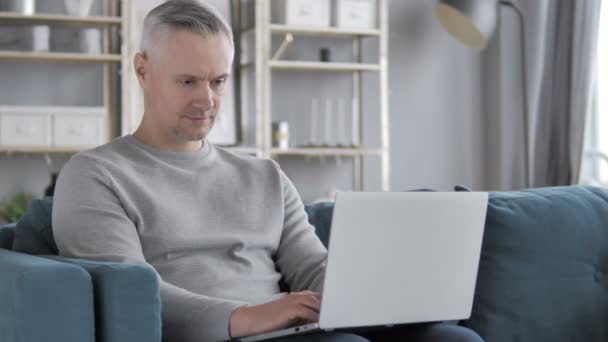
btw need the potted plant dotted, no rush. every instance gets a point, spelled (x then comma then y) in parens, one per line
(13, 209)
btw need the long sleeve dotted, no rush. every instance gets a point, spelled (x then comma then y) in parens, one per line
(90, 222)
(301, 257)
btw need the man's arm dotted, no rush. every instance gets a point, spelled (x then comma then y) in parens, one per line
(90, 222)
(301, 257)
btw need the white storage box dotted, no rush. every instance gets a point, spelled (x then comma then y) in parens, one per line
(355, 13)
(302, 12)
(80, 127)
(24, 127)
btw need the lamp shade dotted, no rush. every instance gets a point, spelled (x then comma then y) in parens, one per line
(471, 22)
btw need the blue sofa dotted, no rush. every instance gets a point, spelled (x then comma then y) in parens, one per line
(542, 276)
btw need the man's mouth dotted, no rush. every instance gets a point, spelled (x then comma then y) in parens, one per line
(198, 118)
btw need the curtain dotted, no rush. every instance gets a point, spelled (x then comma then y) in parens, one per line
(560, 38)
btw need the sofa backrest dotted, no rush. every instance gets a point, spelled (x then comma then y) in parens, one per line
(319, 215)
(543, 268)
(33, 231)
(7, 234)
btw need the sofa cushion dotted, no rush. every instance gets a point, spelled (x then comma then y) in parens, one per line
(543, 268)
(33, 233)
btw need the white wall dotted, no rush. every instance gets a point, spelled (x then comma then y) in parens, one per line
(435, 118)
(434, 103)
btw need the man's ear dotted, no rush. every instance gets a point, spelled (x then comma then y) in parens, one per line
(140, 63)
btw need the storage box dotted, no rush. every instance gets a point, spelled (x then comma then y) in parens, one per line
(355, 13)
(80, 127)
(313, 13)
(49, 126)
(24, 127)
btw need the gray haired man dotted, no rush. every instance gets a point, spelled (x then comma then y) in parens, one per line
(220, 229)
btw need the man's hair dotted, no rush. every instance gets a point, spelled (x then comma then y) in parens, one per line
(188, 15)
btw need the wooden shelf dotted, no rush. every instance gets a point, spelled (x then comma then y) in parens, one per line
(25, 149)
(16, 18)
(325, 151)
(242, 149)
(325, 31)
(318, 31)
(58, 57)
(322, 66)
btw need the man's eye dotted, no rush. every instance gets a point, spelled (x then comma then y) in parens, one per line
(220, 82)
(188, 83)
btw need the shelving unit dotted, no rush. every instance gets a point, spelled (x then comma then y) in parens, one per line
(323, 66)
(326, 151)
(27, 150)
(263, 68)
(325, 32)
(16, 18)
(111, 25)
(44, 57)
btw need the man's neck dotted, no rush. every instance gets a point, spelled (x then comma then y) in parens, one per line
(187, 146)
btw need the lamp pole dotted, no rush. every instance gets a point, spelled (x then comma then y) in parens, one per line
(524, 81)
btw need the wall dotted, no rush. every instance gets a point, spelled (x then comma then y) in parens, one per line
(435, 113)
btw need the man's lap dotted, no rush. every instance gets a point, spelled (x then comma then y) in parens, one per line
(322, 337)
(437, 332)
(431, 332)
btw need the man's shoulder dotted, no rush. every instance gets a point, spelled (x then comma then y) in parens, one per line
(112, 150)
(243, 159)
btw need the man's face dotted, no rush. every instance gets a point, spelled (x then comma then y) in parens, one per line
(184, 79)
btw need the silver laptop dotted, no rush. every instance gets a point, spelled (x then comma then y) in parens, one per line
(399, 257)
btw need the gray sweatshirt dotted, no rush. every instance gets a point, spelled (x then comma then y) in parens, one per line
(220, 229)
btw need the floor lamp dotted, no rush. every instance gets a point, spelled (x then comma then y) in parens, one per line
(472, 22)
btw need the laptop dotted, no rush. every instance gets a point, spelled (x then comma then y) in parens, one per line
(397, 258)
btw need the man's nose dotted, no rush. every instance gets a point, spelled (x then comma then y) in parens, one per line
(204, 98)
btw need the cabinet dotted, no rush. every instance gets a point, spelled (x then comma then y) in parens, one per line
(54, 127)
(259, 68)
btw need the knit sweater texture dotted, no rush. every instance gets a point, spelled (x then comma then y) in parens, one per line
(220, 229)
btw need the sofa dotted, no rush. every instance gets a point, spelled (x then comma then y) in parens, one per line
(542, 276)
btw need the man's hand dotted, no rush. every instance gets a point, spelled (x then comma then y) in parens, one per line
(296, 307)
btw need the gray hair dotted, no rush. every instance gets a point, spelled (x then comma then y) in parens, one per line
(182, 14)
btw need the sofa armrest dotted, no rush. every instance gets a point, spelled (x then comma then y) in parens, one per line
(127, 300)
(44, 300)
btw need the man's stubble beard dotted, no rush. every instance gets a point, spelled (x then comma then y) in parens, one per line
(184, 135)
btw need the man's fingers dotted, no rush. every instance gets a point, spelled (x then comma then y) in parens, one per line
(307, 314)
(308, 300)
(312, 303)
(315, 294)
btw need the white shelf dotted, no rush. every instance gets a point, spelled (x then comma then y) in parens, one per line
(322, 66)
(58, 57)
(26, 149)
(325, 151)
(324, 31)
(39, 18)
(242, 149)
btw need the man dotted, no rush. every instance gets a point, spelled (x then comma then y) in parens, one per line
(220, 229)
